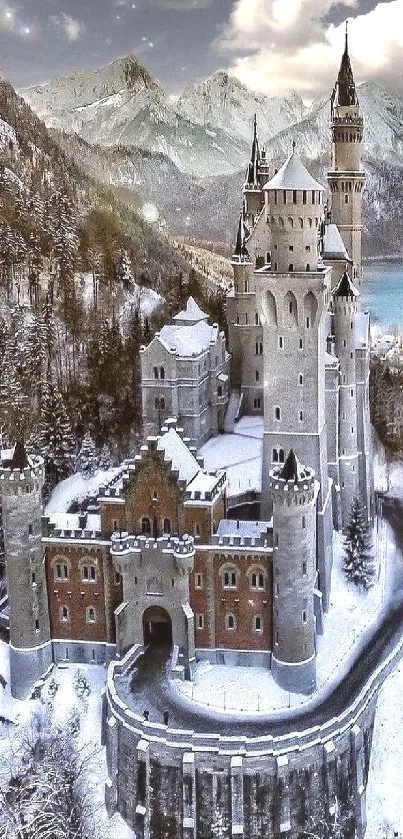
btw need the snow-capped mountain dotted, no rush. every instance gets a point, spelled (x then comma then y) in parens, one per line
(121, 104)
(383, 121)
(223, 103)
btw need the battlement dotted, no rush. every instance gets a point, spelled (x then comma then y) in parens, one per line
(178, 545)
(292, 480)
(85, 527)
(17, 481)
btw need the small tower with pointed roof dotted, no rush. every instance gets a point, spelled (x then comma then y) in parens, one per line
(253, 195)
(345, 297)
(294, 492)
(21, 482)
(346, 177)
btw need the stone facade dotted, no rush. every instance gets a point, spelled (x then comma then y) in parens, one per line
(185, 374)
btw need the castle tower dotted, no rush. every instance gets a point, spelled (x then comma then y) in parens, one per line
(345, 297)
(253, 195)
(346, 178)
(21, 482)
(294, 490)
(245, 336)
(293, 297)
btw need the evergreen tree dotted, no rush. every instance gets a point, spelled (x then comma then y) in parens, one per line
(87, 460)
(124, 270)
(55, 440)
(358, 560)
(105, 457)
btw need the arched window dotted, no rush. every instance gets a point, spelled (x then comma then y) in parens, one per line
(162, 373)
(257, 623)
(88, 573)
(167, 525)
(90, 615)
(277, 413)
(256, 319)
(291, 266)
(155, 372)
(162, 403)
(230, 622)
(61, 571)
(229, 579)
(281, 456)
(157, 403)
(64, 614)
(145, 525)
(257, 580)
(275, 456)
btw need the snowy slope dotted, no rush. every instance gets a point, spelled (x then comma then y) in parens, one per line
(222, 103)
(121, 104)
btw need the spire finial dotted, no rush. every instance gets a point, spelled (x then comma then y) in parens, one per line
(346, 46)
(255, 125)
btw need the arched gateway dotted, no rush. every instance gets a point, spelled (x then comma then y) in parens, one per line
(157, 626)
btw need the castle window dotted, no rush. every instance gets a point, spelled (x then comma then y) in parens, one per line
(304, 569)
(257, 623)
(308, 322)
(303, 522)
(284, 196)
(230, 622)
(229, 579)
(281, 342)
(308, 248)
(304, 197)
(291, 248)
(197, 530)
(145, 525)
(157, 403)
(246, 286)
(291, 267)
(61, 571)
(33, 578)
(36, 625)
(219, 390)
(117, 578)
(281, 456)
(275, 196)
(114, 526)
(256, 319)
(300, 378)
(301, 416)
(167, 525)
(256, 402)
(155, 372)
(304, 616)
(199, 580)
(237, 319)
(275, 266)
(313, 196)
(257, 375)
(276, 540)
(64, 614)
(352, 392)
(276, 638)
(352, 430)
(257, 580)
(275, 456)
(30, 530)
(246, 318)
(162, 373)
(301, 344)
(308, 267)
(89, 574)
(90, 615)
(200, 621)
(346, 198)
(277, 413)
(162, 403)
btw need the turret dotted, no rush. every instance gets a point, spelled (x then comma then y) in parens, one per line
(21, 482)
(253, 195)
(294, 210)
(294, 490)
(346, 178)
(345, 296)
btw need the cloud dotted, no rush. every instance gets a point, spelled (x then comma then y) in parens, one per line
(279, 46)
(72, 28)
(183, 5)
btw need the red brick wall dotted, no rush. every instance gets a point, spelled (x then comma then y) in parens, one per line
(78, 594)
(152, 493)
(243, 602)
(111, 513)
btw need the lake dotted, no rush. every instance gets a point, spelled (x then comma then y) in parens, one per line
(382, 292)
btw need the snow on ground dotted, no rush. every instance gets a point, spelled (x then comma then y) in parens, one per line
(385, 783)
(77, 488)
(241, 459)
(64, 702)
(351, 613)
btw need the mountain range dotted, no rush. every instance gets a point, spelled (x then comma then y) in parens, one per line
(189, 155)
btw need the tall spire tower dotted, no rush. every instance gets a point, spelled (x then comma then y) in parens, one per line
(346, 178)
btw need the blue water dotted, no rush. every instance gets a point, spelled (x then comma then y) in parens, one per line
(382, 292)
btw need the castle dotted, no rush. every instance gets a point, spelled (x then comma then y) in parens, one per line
(160, 560)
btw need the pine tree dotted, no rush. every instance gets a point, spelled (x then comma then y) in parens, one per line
(358, 560)
(55, 440)
(124, 270)
(105, 457)
(87, 460)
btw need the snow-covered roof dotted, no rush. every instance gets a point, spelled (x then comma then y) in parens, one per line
(293, 175)
(333, 245)
(203, 486)
(190, 340)
(331, 360)
(192, 314)
(345, 287)
(251, 529)
(70, 521)
(176, 450)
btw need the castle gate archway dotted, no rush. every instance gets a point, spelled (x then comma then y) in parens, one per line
(157, 626)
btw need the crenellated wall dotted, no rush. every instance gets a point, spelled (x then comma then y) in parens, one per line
(182, 784)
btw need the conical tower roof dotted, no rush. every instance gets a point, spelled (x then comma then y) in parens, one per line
(252, 173)
(345, 287)
(19, 459)
(346, 92)
(293, 175)
(241, 251)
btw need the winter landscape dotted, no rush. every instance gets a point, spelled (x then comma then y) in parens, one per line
(201, 419)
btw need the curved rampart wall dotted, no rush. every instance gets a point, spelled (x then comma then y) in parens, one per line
(178, 783)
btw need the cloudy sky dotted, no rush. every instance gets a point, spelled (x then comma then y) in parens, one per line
(271, 45)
